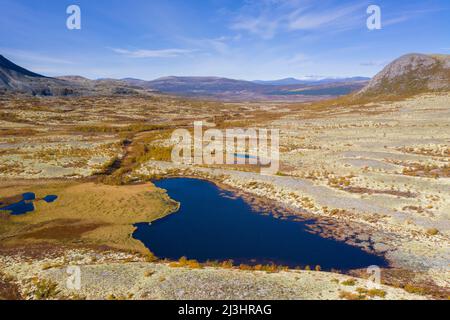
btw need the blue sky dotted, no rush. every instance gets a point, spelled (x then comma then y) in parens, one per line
(242, 39)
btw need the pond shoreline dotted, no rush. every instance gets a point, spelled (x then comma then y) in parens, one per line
(41, 260)
(323, 226)
(285, 239)
(139, 280)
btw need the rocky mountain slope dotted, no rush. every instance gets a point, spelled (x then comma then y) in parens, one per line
(18, 79)
(411, 74)
(14, 78)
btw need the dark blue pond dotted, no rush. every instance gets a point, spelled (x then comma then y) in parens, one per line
(26, 204)
(212, 226)
(50, 198)
(244, 156)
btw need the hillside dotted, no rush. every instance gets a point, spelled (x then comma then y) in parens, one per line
(196, 85)
(312, 81)
(103, 86)
(11, 69)
(235, 90)
(408, 75)
(411, 74)
(15, 79)
(18, 79)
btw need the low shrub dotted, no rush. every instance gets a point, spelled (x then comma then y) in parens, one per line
(432, 232)
(372, 292)
(46, 289)
(410, 288)
(184, 262)
(349, 282)
(351, 296)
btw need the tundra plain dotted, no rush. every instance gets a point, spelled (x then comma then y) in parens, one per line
(375, 175)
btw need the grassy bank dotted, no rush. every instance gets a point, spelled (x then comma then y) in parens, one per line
(84, 214)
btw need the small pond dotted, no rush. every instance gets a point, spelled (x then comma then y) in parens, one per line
(25, 205)
(213, 224)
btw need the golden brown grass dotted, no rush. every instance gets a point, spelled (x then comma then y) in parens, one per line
(351, 296)
(362, 294)
(183, 262)
(87, 213)
(349, 282)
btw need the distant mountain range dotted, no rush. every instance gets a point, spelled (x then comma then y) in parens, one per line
(312, 81)
(407, 75)
(196, 85)
(14, 78)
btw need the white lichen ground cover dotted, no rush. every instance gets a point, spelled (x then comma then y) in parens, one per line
(350, 165)
(124, 276)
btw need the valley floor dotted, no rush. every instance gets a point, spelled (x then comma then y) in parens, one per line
(374, 175)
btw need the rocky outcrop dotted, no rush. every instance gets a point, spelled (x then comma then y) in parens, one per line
(411, 74)
(18, 79)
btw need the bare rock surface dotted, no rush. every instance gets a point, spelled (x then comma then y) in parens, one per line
(412, 73)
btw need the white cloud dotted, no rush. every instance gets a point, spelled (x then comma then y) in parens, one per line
(219, 44)
(408, 15)
(263, 18)
(161, 53)
(269, 17)
(261, 26)
(374, 63)
(27, 56)
(222, 45)
(332, 18)
(298, 58)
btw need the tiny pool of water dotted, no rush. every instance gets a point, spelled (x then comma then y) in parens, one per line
(26, 204)
(244, 156)
(213, 224)
(50, 198)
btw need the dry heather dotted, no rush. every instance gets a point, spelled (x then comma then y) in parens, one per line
(377, 172)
